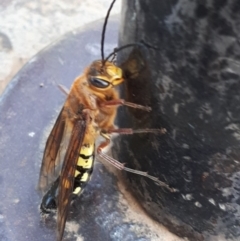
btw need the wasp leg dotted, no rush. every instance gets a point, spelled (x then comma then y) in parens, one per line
(130, 131)
(64, 89)
(123, 102)
(121, 166)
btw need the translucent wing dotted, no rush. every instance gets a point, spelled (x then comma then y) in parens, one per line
(51, 155)
(67, 174)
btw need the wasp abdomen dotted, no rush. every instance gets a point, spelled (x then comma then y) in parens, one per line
(82, 175)
(84, 168)
(49, 201)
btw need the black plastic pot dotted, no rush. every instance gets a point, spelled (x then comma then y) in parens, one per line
(187, 70)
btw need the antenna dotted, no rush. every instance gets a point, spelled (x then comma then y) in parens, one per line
(141, 44)
(121, 48)
(104, 30)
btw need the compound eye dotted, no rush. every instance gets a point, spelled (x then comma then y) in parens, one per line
(99, 83)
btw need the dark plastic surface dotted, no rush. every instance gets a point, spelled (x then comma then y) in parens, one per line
(191, 79)
(28, 108)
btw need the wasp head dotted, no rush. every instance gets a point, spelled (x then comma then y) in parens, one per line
(104, 75)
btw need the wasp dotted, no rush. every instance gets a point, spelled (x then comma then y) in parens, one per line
(88, 112)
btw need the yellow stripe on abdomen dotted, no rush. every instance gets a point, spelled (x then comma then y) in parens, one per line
(84, 167)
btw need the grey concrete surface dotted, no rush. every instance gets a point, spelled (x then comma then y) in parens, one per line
(26, 27)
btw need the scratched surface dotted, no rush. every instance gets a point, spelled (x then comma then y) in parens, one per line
(192, 81)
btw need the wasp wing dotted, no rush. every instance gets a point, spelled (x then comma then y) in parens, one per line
(68, 170)
(48, 173)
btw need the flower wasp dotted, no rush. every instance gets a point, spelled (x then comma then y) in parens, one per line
(88, 112)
